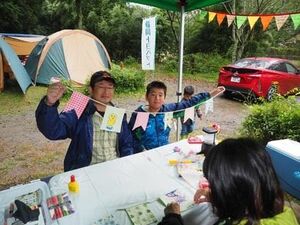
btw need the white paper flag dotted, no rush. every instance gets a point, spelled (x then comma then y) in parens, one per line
(112, 120)
(168, 119)
(209, 106)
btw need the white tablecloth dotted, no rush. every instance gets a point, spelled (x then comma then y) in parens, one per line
(110, 187)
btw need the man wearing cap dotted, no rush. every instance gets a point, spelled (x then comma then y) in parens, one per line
(89, 144)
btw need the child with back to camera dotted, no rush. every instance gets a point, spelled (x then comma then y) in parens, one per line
(243, 187)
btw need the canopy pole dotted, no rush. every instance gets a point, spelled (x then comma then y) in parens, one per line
(179, 89)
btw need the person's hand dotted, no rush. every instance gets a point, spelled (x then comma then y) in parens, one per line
(54, 93)
(217, 91)
(202, 195)
(173, 207)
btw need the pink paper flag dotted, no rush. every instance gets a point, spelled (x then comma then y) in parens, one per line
(77, 102)
(141, 120)
(280, 20)
(230, 19)
(189, 114)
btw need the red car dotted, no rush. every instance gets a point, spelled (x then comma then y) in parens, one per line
(259, 77)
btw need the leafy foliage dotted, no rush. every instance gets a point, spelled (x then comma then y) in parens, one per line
(278, 119)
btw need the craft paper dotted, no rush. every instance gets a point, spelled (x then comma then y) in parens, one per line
(280, 20)
(230, 19)
(189, 113)
(77, 102)
(209, 106)
(211, 16)
(220, 18)
(168, 119)
(141, 120)
(112, 120)
(202, 14)
(266, 20)
(148, 43)
(179, 197)
(141, 215)
(252, 20)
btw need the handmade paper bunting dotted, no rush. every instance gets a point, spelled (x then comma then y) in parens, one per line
(230, 19)
(202, 14)
(280, 20)
(296, 20)
(189, 113)
(240, 20)
(77, 102)
(220, 18)
(112, 120)
(168, 120)
(266, 20)
(211, 16)
(209, 106)
(252, 20)
(141, 120)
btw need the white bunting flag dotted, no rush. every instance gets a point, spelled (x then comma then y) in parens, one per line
(112, 120)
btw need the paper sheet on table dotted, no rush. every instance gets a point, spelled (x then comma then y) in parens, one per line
(191, 173)
(182, 199)
(141, 215)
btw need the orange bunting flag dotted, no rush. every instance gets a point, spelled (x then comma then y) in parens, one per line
(252, 20)
(280, 20)
(141, 120)
(230, 19)
(266, 20)
(220, 18)
(211, 16)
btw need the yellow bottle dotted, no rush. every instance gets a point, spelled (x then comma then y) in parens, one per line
(73, 185)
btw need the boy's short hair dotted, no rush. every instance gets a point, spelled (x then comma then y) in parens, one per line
(188, 90)
(100, 76)
(158, 85)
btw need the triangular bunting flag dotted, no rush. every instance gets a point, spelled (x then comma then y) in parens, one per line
(296, 20)
(209, 106)
(280, 20)
(220, 18)
(211, 16)
(230, 19)
(141, 120)
(189, 113)
(202, 14)
(113, 118)
(77, 102)
(266, 20)
(252, 20)
(168, 120)
(240, 20)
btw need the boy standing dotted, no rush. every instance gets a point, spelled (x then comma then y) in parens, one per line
(187, 127)
(156, 134)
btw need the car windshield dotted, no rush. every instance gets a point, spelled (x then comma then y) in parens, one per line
(252, 63)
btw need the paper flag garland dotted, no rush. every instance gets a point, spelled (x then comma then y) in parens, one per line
(168, 119)
(189, 113)
(141, 120)
(230, 19)
(252, 20)
(112, 120)
(296, 20)
(77, 102)
(220, 18)
(209, 106)
(280, 20)
(240, 20)
(211, 16)
(266, 20)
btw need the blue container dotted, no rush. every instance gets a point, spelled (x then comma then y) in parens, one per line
(285, 155)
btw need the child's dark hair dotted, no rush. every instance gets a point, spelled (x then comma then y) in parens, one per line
(156, 84)
(188, 90)
(242, 180)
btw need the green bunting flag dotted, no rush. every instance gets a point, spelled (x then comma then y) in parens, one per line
(296, 20)
(240, 20)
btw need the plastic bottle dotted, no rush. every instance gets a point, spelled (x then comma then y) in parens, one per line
(73, 185)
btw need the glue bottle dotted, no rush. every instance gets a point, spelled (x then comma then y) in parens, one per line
(73, 185)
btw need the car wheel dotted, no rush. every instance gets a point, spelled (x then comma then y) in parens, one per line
(227, 94)
(251, 97)
(271, 92)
